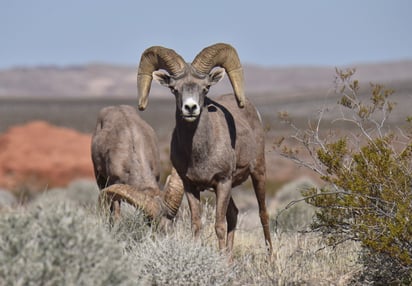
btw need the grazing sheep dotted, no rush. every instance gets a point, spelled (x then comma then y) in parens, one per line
(216, 144)
(125, 156)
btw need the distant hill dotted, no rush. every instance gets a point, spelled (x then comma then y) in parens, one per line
(120, 81)
(72, 97)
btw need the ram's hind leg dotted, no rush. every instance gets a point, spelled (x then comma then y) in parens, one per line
(259, 182)
(114, 212)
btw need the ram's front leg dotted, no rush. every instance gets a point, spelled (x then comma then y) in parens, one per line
(231, 219)
(222, 201)
(193, 198)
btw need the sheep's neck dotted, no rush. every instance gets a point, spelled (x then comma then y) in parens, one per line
(195, 137)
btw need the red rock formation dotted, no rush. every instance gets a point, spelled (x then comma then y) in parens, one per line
(39, 155)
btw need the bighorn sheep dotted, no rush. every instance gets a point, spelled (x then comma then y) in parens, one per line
(216, 144)
(126, 163)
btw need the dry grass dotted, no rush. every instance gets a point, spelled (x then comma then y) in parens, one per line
(299, 259)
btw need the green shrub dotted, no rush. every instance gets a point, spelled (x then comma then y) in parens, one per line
(381, 269)
(368, 175)
(61, 244)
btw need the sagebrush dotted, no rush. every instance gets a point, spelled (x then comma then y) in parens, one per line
(61, 244)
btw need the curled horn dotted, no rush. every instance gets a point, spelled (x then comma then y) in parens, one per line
(155, 203)
(225, 56)
(149, 204)
(152, 59)
(172, 194)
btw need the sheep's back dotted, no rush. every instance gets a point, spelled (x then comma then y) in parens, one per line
(125, 147)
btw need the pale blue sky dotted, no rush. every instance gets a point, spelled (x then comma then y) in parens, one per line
(269, 33)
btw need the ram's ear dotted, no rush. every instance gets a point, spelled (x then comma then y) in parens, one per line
(216, 75)
(162, 77)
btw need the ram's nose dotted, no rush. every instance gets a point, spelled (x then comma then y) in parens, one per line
(190, 110)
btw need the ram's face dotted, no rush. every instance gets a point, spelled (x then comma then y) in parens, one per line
(189, 91)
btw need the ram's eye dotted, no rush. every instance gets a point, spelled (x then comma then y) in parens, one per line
(173, 90)
(206, 88)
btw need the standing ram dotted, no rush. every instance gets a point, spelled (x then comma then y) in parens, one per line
(216, 144)
(126, 164)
